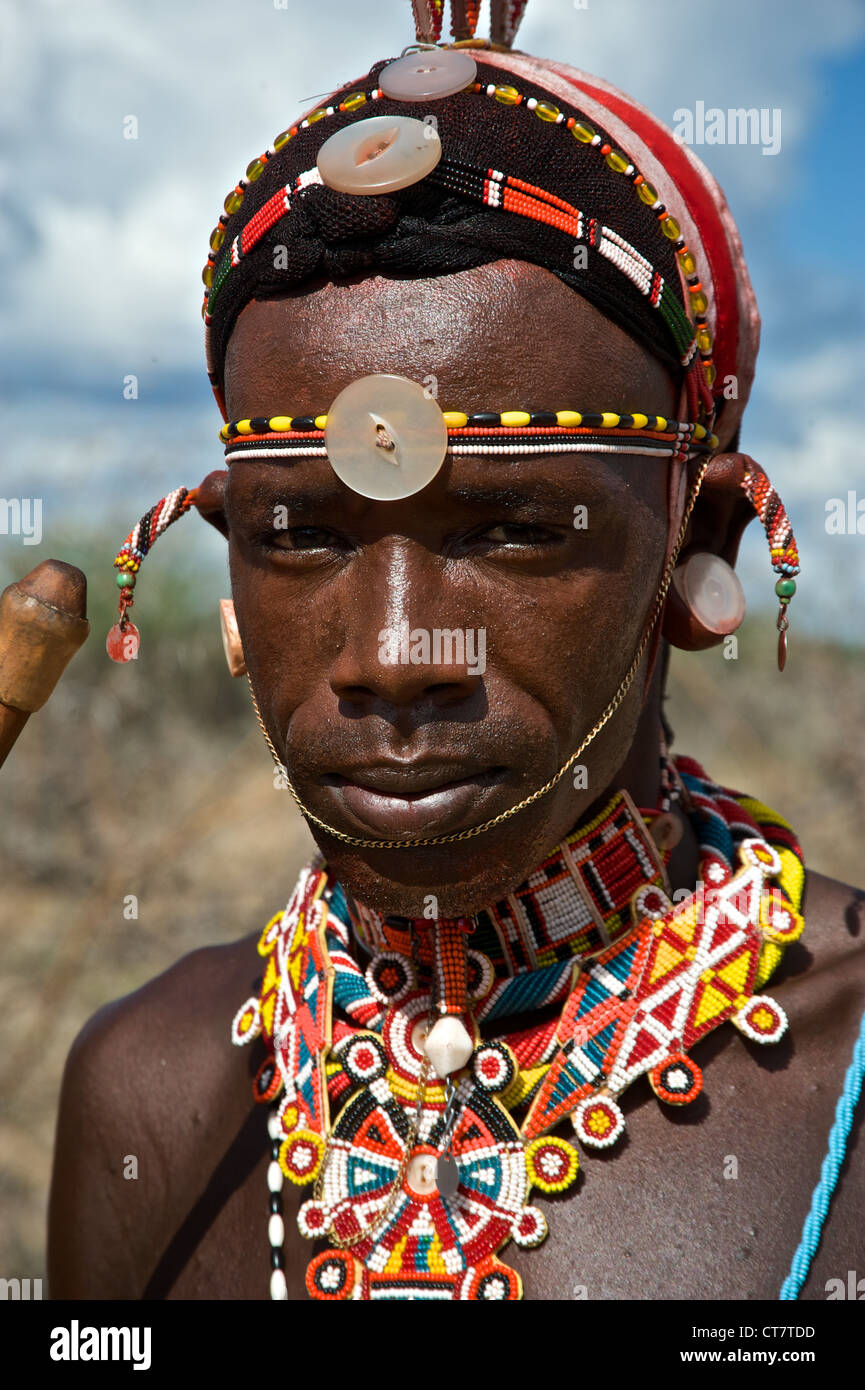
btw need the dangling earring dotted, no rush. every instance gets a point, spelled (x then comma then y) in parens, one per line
(123, 639)
(231, 638)
(705, 602)
(782, 544)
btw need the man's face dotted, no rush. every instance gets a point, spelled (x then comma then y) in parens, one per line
(550, 612)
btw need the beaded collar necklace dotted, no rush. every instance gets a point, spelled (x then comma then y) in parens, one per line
(423, 1160)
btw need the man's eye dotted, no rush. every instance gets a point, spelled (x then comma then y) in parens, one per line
(515, 533)
(305, 538)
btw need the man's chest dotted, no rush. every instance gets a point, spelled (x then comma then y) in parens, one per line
(698, 1201)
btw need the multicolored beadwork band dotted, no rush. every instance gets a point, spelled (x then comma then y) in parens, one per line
(773, 516)
(146, 532)
(491, 432)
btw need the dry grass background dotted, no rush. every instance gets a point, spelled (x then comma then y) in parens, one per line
(153, 780)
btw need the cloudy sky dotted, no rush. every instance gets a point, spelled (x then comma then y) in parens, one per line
(103, 238)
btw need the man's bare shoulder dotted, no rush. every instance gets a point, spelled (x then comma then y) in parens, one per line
(189, 1007)
(163, 1054)
(834, 915)
(823, 973)
(153, 1090)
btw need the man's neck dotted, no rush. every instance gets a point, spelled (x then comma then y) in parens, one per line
(640, 777)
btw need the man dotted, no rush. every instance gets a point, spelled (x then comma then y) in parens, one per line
(560, 557)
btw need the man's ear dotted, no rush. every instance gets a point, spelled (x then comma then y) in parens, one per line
(210, 499)
(720, 515)
(722, 510)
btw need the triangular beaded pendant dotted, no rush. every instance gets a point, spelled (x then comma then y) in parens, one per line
(682, 971)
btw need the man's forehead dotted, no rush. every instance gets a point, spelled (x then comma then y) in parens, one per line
(509, 329)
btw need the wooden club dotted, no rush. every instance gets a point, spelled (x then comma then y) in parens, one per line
(42, 625)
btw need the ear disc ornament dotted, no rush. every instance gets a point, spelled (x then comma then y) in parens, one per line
(385, 437)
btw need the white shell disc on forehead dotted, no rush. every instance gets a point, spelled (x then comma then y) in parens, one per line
(385, 437)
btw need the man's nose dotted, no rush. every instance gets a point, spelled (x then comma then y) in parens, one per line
(404, 643)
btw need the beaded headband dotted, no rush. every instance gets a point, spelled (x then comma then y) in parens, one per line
(630, 268)
(490, 432)
(481, 433)
(493, 188)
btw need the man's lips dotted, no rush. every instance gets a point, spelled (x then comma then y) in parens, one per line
(410, 798)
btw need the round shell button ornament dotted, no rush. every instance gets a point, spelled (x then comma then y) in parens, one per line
(385, 437)
(426, 75)
(379, 154)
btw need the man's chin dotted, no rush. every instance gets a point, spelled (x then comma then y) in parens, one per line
(453, 880)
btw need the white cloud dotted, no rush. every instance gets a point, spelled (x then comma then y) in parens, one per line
(670, 55)
(827, 377)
